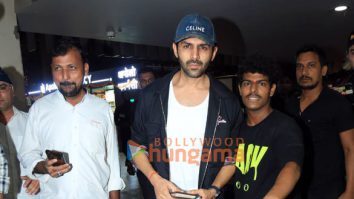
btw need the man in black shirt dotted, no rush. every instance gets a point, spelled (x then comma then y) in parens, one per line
(269, 161)
(328, 125)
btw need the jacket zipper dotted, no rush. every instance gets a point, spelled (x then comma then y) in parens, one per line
(165, 121)
(211, 145)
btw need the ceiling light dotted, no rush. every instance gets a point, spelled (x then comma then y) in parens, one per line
(341, 8)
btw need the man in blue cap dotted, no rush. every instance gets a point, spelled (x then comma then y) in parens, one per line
(182, 128)
(13, 121)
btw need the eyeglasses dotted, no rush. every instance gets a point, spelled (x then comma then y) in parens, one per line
(4, 87)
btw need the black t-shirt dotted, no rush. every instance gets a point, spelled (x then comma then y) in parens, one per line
(322, 121)
(265, 150)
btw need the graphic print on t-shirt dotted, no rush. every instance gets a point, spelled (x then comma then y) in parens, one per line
(249, 158)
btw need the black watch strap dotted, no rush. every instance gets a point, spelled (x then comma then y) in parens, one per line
(217, 189)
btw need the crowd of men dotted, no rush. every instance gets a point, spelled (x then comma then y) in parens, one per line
(190, 137)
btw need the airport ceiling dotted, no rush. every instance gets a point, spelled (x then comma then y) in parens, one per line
(273, 28)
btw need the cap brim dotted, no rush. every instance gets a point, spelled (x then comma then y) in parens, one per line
(197, 35)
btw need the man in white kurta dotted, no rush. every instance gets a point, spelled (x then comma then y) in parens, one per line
(87, 133)
(71, 120)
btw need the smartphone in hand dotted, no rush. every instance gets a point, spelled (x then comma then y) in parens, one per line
(184, 195)
(62, 157)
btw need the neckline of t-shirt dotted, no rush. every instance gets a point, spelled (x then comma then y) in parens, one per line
(173, 97)
(323, 92)
(265, 119)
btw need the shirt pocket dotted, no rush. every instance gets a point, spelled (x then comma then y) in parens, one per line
(93, 136)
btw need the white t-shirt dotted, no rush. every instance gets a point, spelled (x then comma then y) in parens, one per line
(185, 135)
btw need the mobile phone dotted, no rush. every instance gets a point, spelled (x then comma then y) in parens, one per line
(184, 195)
(62, 157)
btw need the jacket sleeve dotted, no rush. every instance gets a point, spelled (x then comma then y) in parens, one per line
(138, 142)
(237, 116)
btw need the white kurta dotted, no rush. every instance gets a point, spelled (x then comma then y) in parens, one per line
(85, 131)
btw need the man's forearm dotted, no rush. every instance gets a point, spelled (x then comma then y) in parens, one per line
(347, 139)
(285, 181)
(349, 165)
(114, 194)
(224, 175)
(141, 161)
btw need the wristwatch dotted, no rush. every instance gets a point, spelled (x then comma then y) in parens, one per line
(217, 190)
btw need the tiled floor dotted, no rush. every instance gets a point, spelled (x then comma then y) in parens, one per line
(132, 189)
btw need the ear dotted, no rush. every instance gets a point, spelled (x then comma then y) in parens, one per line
(13, 90)
(86, 68)
(239, 89)
(215, 50)
(324, 70)
(174, 47)
(273, 89)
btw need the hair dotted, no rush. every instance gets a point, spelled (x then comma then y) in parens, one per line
(146, 70)
(64, 45)
(314, 49)
(350, 41)
(259, 65)
(347, 65)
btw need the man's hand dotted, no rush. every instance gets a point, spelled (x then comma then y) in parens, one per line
(32, 186)
(114, 194)
(346, 195)
(163, 187)
(204, 193)
(56, 171)
(46, 167)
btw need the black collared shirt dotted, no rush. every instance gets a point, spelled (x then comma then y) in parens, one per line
(322, 122)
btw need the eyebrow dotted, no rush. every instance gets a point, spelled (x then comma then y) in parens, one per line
(203, 44)
(261, 80)
(184, 42)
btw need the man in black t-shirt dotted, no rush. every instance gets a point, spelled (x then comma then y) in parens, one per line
(328, 125)
(269, 161)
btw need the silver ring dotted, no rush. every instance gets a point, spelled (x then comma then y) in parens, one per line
(59, 174)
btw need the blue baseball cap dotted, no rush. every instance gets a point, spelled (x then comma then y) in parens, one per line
(4, 77)
(195, 25)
